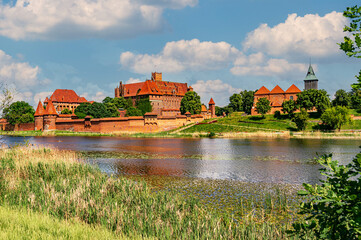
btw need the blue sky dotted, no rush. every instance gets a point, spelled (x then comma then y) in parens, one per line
(218, 46)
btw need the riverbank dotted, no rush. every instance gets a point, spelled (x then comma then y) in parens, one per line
(53, 182)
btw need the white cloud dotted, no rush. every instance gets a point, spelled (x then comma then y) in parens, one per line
(48, 19)
(311, 36)
(258, 65)
(133, 80)
(182, 55)
(18, 73)
(217, 89)
(41, 96)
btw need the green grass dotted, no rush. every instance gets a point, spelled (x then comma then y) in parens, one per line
(24, 224)
(31, 178)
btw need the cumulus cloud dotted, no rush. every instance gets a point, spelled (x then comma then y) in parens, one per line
(311, 36)
(41, 96)
(64, 19)
(258, 65)
(182, 55)
(217, 89)
(19, 73)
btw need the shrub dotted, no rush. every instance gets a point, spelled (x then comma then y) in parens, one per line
(277, 114)
(334, 207)
(66, 111)
(263, 106)
(335, 117)
(301, 119)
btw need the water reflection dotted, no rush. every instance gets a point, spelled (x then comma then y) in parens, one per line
(251, 160)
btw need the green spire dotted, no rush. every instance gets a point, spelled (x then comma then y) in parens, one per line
(310, 74)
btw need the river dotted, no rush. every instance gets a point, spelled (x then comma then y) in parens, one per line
(248, 160)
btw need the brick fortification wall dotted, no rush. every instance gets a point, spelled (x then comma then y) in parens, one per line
(106, 125)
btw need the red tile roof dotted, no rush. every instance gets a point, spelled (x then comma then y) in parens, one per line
(50, 109)
(204, 109)
(262, 90)
(277, 90)
(39, 110)
(211, 102)
(66, 96)
(150, 87)
(293, 89)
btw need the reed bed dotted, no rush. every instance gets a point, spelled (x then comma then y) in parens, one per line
(54, 183)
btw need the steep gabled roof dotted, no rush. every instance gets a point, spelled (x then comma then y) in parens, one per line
(293, 89)
(50, 109)
(66, 96)
(211, 102)
(172, 88)
(149, 87)
(262, 90)
(131, 89)
(204, 108)
(39, 110)
(277, 90)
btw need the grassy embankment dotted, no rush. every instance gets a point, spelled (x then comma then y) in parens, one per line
(39, 183)
(236, 125)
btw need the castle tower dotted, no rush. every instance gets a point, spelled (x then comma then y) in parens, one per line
(39, 117)
(311, 81)
(50, 116)
(156, 76)
(212, 107)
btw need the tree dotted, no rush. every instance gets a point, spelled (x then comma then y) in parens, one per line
(335, 117)
(352, 45)
(66, 111)
(191, 102)
(132, 111)
(356, 98)
(95, 110)
(313, 98)
(111, 109)
(342, 98)
(236, 102)
(6, 98)
(263, 106)
(107, 100)
(19, 112)
(301, 119)
(289, 106)
(144, 105)
(333, 207)
(247, 101)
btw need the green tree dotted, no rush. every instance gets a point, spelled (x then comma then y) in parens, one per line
(342, 98)
(313, 98)
(19, 112)
(191, 102)
(300, 119)
(332, 208)
(95, 110)
(107, 100)
(132, 111)
(335, 117)
(111, 109)
(356, 98)
(263, 106)
(144, 105)
(247, 101)
(352, 45)
(235, 102)
(66, 111)
(289, 107)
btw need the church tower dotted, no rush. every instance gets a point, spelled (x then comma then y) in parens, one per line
(311, 81)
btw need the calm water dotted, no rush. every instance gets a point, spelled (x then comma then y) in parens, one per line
(250, 160)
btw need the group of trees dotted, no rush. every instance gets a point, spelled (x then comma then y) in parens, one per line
(242, 101)
(110, 106)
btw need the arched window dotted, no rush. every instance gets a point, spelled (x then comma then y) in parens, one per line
(291, 97)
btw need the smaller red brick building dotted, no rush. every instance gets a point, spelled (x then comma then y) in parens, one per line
(65, 99)
(277, 96)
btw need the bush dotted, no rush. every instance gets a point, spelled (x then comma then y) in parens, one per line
(335, 117)
(66, 111)
(277, 114)
(301, 119)
(334, 207)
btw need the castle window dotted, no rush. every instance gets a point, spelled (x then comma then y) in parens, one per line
(291, 97)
